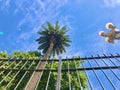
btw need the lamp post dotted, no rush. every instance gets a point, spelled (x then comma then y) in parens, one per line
(112, 35)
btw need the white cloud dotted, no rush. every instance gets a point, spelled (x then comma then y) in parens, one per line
(27, 35)
(29, 46)
(7, 2)
(36, 12)
(4, 5)
(41, 4)
(71, 52)
(39, 11)
(112, 3)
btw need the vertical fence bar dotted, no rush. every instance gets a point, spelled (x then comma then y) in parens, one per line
(96, 76)
(32, 76)
(9, 73)
(59, 75)
(115, 57)
(40, 76)
(110, 68)
(0, 63)
(69, 81)
(77, 74)
(8, 66)
(23, 76)
(48, 80)
(106, 75)
(16, 74)
(91, 87)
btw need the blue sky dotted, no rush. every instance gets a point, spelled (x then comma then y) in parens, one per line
(21, 19)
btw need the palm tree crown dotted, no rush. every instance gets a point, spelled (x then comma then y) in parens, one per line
(55, 35)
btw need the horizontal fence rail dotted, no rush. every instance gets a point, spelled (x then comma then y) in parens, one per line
(78, 58)
(101, 72)
(64, 69)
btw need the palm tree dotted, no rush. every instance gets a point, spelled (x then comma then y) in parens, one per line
(52, 41)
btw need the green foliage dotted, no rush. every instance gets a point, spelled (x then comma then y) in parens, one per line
(25, 55)
(3, 54)
(58, 33)
(9, 75)
(52, 84)
(65, 77)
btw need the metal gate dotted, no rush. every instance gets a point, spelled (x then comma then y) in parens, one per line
(101, 71)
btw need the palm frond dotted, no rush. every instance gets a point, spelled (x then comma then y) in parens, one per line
(61, 39)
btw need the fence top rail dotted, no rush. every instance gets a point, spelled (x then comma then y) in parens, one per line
(66, 59)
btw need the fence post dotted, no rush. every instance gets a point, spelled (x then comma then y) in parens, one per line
(59, 74)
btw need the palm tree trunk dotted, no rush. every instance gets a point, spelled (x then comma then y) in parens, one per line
(41, 65)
